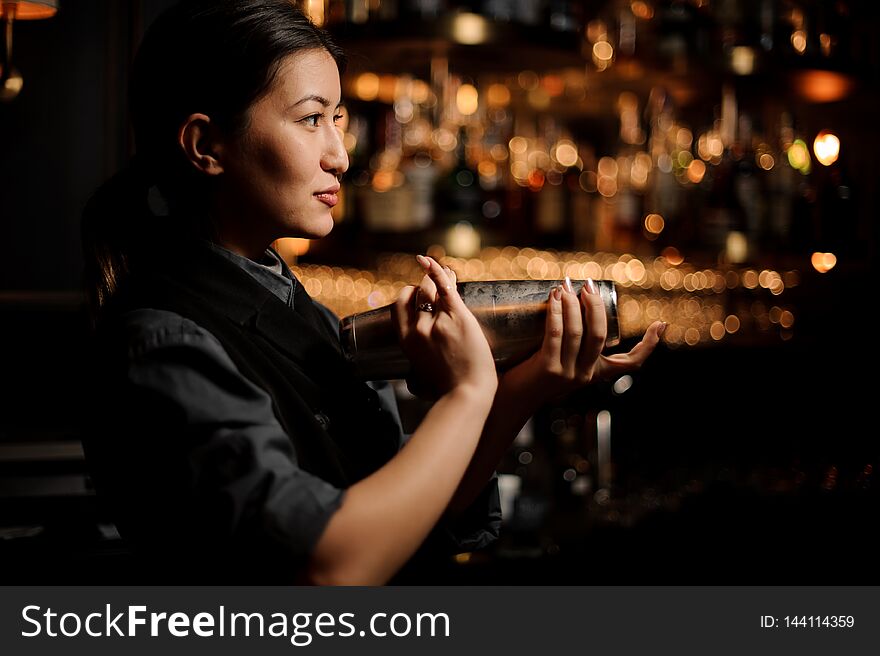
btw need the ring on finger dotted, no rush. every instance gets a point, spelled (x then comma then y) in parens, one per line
(426, 307)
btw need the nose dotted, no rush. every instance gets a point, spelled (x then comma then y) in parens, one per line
(335, 157)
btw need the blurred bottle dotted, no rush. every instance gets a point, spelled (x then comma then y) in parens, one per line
(459, 194)
(502, 11)
(459, 200)
(422, 9)
(564, 15)
(357, 11)
(336, 13)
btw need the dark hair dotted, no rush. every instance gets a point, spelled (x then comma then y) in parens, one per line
(216, 57)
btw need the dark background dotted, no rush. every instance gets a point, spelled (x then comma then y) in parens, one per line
(746, 464)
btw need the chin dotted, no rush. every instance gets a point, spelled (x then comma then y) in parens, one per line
(321, 230)
(313, 229)
(327, 226)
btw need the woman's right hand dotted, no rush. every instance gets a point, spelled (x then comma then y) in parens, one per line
(442, 338)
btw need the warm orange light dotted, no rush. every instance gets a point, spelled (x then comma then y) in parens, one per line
(642, 10)
(518, 145)
(672, 255)
(696, 170)
(742, 60)
(290, 248)
(566, 153)
(731, 323)
(31, 10)
(470, 29)
(654, 224)
(388, 88)
(420, 92)
(315, 11)
(553, 85)
(383, 181)
(822, 86)
(826, 147)
(603, 52)
(606, 186)
(487, 168)
(498, 95)
(536, 180)
(596, 30)
(736, 246)
(823, 262)
(366, 87)
(607, 167)
(467, 99)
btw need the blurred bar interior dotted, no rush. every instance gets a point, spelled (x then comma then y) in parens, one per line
(716, 159)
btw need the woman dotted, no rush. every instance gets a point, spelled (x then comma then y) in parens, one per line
(233, 442)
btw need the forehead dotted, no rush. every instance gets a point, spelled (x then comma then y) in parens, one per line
(307, 73)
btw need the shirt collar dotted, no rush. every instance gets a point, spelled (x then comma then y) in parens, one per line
(272, 272)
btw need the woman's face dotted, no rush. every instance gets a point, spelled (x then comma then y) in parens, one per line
(281, 177)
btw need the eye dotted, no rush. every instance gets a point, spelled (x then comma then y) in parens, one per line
(312, 121)
(337, 118)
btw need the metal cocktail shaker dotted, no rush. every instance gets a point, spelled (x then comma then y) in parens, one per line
(511, 313)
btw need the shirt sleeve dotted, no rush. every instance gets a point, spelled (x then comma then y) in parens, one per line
(203, 450)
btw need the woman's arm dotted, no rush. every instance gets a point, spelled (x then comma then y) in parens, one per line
(385, 517)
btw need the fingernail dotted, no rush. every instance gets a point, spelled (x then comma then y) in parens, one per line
(423, 261)
(662, 329)
(568, 286)
(592, 287)
(557, 293)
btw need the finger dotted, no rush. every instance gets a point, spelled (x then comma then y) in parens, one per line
(451, 274)
(572, 327)
(595, 327)
(427, 290)
(403, 312)
(447, 294)
(621, 363)
(425, 297)
(553, 330)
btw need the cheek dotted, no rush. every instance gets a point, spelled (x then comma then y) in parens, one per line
(280, 164)
(294, 181)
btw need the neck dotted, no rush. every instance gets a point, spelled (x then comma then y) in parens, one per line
(235, 235)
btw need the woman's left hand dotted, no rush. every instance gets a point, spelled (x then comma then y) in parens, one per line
(570, 356)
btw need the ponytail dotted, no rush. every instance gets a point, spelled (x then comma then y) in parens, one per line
(116, 226)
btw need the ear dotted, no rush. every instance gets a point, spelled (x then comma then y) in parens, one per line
(200, 141)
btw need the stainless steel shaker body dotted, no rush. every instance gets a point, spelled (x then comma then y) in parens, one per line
(512, 314)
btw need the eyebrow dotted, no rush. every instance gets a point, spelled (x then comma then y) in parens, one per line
(319, 99)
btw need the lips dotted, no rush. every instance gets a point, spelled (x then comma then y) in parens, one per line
(329, 197)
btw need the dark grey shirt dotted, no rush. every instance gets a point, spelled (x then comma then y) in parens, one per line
(173, 358)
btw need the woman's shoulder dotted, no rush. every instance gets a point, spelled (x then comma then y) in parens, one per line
(143, 322)
(142, 330)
